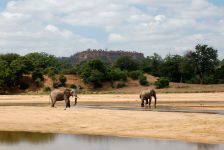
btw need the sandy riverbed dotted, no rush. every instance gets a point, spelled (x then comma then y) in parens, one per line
(195, 127)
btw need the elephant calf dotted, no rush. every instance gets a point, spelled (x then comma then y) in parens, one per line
(146, 95)
(57, 95)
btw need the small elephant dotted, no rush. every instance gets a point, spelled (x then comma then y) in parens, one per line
(147, 96)
(57, 95)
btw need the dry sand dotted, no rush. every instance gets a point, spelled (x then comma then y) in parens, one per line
(194, 127)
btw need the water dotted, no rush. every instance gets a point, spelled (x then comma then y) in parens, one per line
(46, 141)
(161, 107)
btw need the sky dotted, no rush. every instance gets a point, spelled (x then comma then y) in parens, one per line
(64, 27)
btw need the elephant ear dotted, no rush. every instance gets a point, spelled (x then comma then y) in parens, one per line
(67, 93)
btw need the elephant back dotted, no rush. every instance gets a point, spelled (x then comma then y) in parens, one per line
(145, 94)
(57, 95)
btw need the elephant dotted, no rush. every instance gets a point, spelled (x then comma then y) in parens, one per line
(57, 95)
(147, 96)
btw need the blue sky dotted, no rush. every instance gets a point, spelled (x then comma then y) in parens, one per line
(148, 26)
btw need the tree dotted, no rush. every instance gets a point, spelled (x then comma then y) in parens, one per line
(205, 60)
(171, 68)
(93, 72)
(42, 61)
(127, 63)
(62, 79)
(152, 64)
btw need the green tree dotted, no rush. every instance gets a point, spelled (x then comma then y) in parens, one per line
(205, 60)
(127, 63)
(62, 79)
(171, 68)
(93, 72)
(152, 64)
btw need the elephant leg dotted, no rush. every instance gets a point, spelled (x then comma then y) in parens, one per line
(66, 103)
(75, 100)
(69, 103)
(155, 102)
(150, 101)
(146, 101)
(142, 104)
(53, 103)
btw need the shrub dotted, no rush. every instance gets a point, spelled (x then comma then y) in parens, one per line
(51, 73)
(121, 84)
(116, 74)
(73, 86)
(143, 80)
(23, 86)
(211, 80)
(162, 82)
(38, 81)
(135, 74)
(62, 79)
(56, 84)
(46, 89)
(37, 74)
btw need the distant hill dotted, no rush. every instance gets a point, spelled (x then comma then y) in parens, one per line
(104, 55)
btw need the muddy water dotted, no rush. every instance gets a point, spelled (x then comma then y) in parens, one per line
(46, 141)
(184, 107)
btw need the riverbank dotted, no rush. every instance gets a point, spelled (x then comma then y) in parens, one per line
(194, 127)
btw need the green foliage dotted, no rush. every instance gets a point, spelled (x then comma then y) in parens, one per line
(73, 86)
(42, 60)
(38, 81)
(143, 80)
(219, 75)
(121, 84)
(162, 82)
(171, 68)
(8, 58)
(152, 64)
(37, 74)
(127, 63)
(135, 74)
(23, 86)
(205, 59)
(46, 89)
(93, 72)
(115, 74)
(62, 79)
(56, 84)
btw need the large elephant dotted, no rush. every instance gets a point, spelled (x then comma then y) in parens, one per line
(146, 95)
(58, 95)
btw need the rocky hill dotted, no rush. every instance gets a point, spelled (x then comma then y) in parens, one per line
(104, 55)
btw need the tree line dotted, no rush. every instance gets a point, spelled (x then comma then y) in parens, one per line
(200, 65)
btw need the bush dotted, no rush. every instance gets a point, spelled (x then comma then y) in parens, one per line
(211, 80)
(46, 89)
(38, 82)
(116, 74)
(56, 84)
(23, 86)
(162, 82)
(121, 84)
(62, 79)
(143, 80)
(73, 86)
(135, 74)
(37, 74)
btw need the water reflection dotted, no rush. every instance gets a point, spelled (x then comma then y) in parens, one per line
(206, 147)
(7, 137)
(36, 141)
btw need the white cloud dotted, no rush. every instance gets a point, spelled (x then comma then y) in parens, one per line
(114, 37)
(146, 25)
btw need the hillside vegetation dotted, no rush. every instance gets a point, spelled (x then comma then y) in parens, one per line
(110, 71)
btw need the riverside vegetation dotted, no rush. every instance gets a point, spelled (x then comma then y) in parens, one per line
(200, 65)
